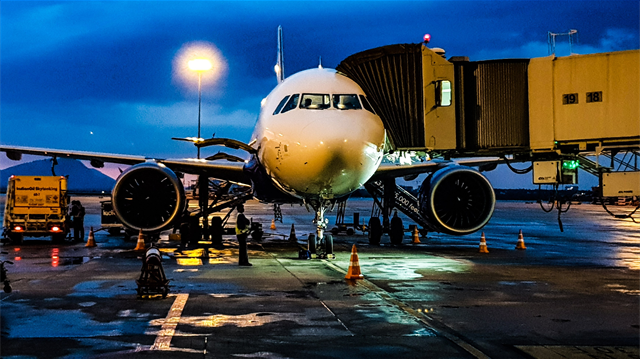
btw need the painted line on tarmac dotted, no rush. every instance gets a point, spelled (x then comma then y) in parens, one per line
(163, 340)
(441, 328)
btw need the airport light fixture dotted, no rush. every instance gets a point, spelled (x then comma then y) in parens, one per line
(199, 65)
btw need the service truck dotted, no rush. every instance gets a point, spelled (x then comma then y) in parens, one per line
(36, 206)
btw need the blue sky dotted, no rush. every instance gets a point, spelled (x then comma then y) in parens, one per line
(103, 76)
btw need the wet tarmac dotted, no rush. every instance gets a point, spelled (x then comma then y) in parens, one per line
(569, 294)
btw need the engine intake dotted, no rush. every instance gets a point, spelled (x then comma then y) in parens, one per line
(148, 197)
(457, 200)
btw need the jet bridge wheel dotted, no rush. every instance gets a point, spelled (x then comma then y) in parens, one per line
(375, 231)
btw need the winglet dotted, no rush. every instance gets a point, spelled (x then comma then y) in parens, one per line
(279, 68)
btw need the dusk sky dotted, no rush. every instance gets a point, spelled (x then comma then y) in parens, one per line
(110, 76)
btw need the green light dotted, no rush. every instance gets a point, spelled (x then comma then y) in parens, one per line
(570, 165)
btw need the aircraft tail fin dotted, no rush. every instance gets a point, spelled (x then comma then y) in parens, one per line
(279, 68)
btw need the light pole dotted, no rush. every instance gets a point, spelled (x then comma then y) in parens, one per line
(199, 65)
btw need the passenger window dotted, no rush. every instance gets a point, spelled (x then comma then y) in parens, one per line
(284, 100)
(346, 102)
(366, 104)
(314, 101)
(291, 104)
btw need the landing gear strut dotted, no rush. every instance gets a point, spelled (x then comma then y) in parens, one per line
(320, 245)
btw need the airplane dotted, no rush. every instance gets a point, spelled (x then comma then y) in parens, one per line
(317, 140)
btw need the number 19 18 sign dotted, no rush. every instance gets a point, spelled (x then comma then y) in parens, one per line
(572, 98)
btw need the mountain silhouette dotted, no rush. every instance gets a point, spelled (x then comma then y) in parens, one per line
(80, 178)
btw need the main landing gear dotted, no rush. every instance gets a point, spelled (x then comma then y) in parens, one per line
(320, 245)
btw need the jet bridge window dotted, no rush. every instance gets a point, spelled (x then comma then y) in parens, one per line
(346, 102)
(313, 101)
(443, 93)
(284, 100)
(367, 104)
(291, 104)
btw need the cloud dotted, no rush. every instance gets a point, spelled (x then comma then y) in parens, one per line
(185, 114)
(613, 40)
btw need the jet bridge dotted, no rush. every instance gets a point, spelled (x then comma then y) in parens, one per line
(557, 112)
(541, 106)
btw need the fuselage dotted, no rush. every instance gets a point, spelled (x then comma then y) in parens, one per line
(317, 136)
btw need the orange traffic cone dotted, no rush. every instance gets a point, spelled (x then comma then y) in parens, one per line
(354, 266)
(273, 224)
(292, 235)
(483, 244)
(91, 241)
(416, 236)
(520, 244)
(140, 245)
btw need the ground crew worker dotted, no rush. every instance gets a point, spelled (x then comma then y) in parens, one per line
(396, 231)
(77, 212)
(242, 232)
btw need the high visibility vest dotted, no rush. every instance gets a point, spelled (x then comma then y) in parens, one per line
(242, 219)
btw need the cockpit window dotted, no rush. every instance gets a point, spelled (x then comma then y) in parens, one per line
(346, 102)
(291, 104)
(366, 104)
(284, 100)
(314, 101)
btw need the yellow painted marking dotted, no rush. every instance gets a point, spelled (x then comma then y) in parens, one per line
(163, 340)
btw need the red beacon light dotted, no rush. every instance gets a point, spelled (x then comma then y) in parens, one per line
(426, 38)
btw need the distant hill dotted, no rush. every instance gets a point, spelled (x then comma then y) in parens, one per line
(81, 178)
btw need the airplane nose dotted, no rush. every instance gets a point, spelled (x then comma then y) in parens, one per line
(337, 157)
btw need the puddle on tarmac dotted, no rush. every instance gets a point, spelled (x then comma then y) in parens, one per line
(406, 269)
(22, 321)
(104, 288)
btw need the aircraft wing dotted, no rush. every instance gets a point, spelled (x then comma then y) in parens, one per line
(231, 171)
(395, 170)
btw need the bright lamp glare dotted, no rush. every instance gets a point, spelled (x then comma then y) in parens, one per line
(200, 65)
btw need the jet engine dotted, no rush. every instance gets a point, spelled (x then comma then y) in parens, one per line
(148, 197)
(457, 200)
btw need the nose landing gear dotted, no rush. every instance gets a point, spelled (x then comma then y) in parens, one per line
(320, 245)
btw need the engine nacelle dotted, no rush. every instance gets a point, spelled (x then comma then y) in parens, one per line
(148, 197)
(457, 200)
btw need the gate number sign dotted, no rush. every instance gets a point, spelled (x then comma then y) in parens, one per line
(572, 98)
(569, 98)
(594, 96)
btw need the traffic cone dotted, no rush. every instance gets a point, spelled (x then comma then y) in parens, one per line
(140, 245)
(416, 236)
(292, 235)
(91, 241)
(354, 266)
(273, 224)
(483, 244)
(520, 244)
